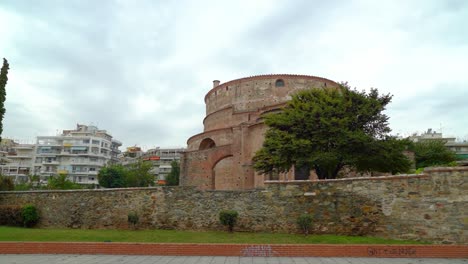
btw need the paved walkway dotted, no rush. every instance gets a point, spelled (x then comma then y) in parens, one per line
(120, 259)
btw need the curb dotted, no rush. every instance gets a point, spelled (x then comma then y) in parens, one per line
(244, 250)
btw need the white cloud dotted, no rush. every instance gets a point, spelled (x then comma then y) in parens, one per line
(141, 70)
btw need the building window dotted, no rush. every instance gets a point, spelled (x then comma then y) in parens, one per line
(207, 143)
(279, 83)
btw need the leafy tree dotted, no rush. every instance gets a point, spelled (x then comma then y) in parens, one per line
(429, 153)
(112, 176)
(3, 82)
(172, 178)
(60, 182)
(327, 129)
(138, 175)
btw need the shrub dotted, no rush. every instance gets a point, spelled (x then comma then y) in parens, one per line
(11, 215)
(6, 183)
(228, 218)
(133, 218)
(30, 215)
(304, 222)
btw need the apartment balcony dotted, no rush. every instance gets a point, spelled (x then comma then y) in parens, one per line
(24, 146)
(79, 172)
(48, 171)
(22, 156)
(52, 162)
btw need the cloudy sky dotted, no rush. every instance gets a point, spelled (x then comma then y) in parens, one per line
(140, 69)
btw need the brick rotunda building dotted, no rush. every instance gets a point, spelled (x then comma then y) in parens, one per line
(220, 158)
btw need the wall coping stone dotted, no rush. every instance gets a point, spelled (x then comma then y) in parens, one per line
(98, 190)
(376, 178)
(446, 169)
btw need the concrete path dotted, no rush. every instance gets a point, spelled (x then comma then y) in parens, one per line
(120, 259)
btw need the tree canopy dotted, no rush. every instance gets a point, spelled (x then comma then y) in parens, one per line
(118, 176)
(327, 129)
(3, 82)
(429, 153)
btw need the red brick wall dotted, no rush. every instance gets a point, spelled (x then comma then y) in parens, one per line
(384, 251)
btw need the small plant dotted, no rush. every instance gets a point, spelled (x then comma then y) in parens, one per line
(228, 218)
(30, 215)
(304, 222)
(133, 218)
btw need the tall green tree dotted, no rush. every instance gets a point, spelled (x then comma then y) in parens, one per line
(138, 175)
(429, 153)
(3, 82)
(112, 176)
(172, 178)
(327, 129)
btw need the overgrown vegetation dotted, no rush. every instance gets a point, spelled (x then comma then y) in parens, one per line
(172, 178)
(177, 236)
(61, 182)
(133, 219)
(118, 176)
(10, 215)
(229, 219)
(327, 129)
(6, 183)
(304, 222)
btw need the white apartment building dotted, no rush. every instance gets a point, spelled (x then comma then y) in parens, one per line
(17, 161)
(78, 153)
(160, 159)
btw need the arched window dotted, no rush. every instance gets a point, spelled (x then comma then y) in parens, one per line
(207, 143)
(279, 83)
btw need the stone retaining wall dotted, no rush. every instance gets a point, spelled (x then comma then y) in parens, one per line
(432, 206)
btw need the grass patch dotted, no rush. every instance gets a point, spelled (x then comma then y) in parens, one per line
(175, 236)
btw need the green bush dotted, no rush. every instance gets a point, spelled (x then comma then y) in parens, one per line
(6, 183)
(304, 222)
(228, 218)
(11, 215)
(133, 218)
(30, 215)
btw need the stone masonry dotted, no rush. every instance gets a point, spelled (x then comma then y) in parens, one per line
(432, 206)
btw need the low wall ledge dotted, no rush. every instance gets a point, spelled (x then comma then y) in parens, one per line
(99, 190)
(376, 178)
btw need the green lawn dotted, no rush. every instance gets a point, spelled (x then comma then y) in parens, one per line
(173, 236)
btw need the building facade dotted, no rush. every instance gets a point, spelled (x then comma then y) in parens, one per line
(220, 157)
(16, 160)
(79, 153)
